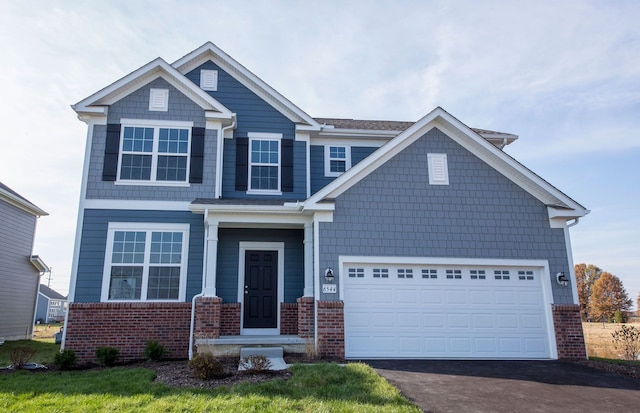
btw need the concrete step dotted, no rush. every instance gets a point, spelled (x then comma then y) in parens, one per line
(274, 354)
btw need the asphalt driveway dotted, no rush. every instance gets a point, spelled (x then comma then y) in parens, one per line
(510, 386)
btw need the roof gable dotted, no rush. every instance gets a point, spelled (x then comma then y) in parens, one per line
(99, 101)
(12, 197)
(210, 51)
(467, 138)
(51, 293)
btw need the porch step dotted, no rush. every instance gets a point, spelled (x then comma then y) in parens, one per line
(274, 354)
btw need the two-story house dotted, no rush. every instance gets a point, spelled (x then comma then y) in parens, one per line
(215, 213)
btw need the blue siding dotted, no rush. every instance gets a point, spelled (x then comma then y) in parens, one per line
(253, 115)
(94, 239)
(228, 250)
(481, 214)
(318, 180)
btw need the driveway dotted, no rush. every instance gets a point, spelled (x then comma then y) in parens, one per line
(509, 386)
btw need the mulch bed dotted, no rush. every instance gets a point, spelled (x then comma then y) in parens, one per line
(629, 370)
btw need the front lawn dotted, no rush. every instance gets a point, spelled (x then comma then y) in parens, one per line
(44, 351)
(319, 387)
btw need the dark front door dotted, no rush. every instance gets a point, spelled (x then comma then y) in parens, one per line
(261, 289)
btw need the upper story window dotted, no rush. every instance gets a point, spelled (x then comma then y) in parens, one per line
(145, 262)
(158, 154)
(337, 159)
(264, 163)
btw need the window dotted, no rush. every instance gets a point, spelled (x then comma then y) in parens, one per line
(438, 169)
(356, 272)
(209, 79)
(264, 163)
(159, 100)
(501, 275)
(380, 273)
(429, 273)
(478, 275)
(405, 273)
(454, 274)
(145, 262)
(337, 159)
(154, 153)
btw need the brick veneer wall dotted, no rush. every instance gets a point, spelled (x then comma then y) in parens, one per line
(207, 318)
(230, 319)
(288, 318)
(331, 329)
(305, 317)
(568, 328)
(127, 326)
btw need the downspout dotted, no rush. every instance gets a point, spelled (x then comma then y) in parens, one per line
(201, 294)
(219, 157)
(575, 222)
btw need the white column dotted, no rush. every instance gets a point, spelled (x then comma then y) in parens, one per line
(212, 260)
(308, 259)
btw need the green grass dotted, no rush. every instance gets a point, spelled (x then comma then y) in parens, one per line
(312, 388)
(45, 351)
(616, 361)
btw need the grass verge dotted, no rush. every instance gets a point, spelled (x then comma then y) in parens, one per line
(319, 387)
(616, 361)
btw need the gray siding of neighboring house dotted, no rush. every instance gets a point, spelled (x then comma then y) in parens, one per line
(228, 259)
(318, 180)
(136, 106)
(94, 240)
(42, 308)
(480, 214)
(19, 279)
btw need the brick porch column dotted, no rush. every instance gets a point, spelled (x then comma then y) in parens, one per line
(305, 317)
(331, 329)
(207, 322)
(567, 324)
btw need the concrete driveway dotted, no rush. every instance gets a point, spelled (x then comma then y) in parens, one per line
(509, 386)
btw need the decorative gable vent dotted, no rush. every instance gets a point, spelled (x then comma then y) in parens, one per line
(209, 79)
(159, 100)
(438, 170)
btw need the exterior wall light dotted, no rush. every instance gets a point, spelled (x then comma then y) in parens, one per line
(562, 279)
(328, 274)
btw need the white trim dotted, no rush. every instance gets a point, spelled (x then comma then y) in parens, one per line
(135, 205)
(145, 227)
(362, 142)
(23, 204)
(243, 247)
(156, 123)
(438, 169)
(158, 100)
(572, 271)
(542, 265)
(328, 159)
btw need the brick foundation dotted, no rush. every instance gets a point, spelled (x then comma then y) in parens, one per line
(305, 317)
(230, 319)
(288, 319)
(569, 335)
(127, 327)
(331, 329)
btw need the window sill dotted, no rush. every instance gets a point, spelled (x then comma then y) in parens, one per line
(153, 183)
(259, 192)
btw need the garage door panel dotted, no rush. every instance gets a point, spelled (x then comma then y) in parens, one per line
(502, 315)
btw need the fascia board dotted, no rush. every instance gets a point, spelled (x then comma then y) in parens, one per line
(358, 132)
(269, 209)
(467, 138)
(21, 203)
(210, 51)
(142, 76)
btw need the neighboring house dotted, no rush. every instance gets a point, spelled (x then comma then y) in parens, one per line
(215, 213)
(20, 270)
(52, 306)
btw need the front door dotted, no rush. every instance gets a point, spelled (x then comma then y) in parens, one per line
(261, 289)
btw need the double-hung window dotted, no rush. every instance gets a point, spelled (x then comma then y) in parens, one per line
(145, 262)
(264, 162)
(337, 160)
(155, 153)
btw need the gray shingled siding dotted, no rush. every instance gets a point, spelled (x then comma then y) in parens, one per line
(136, 106)
(18, 277)
(481, 214)
(318, 180)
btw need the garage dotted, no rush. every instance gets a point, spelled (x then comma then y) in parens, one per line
(414, 308)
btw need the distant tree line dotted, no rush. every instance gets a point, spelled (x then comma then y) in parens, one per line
(602, 295)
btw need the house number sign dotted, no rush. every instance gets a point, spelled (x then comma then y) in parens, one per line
(329, 288)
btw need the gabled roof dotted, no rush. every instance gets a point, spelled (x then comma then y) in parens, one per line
(210, 51)
(470, 140)
(12, 197)
(50, 293)
(158, 68)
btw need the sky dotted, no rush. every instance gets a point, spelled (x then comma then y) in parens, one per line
(563, 76)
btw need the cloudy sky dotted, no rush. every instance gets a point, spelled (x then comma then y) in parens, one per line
(563, 76)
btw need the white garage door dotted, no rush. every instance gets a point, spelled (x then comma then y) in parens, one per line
(445, 311)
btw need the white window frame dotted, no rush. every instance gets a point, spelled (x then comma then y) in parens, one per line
(328, 159)
(148, 228)
(263, 136)
(156, 126)
(438, 169)
(158, 100)
(209, 80)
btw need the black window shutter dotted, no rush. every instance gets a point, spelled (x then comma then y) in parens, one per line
(197, 156)
(286, 177)
(111, 149)
(242, 163)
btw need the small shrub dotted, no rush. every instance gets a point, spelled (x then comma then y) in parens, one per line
(310, 349)
(107, 356)
(65, 360)
(21, 356)
(618, 317)
(206, 367)
(627, 340)
(154, 351)
(255, 363)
